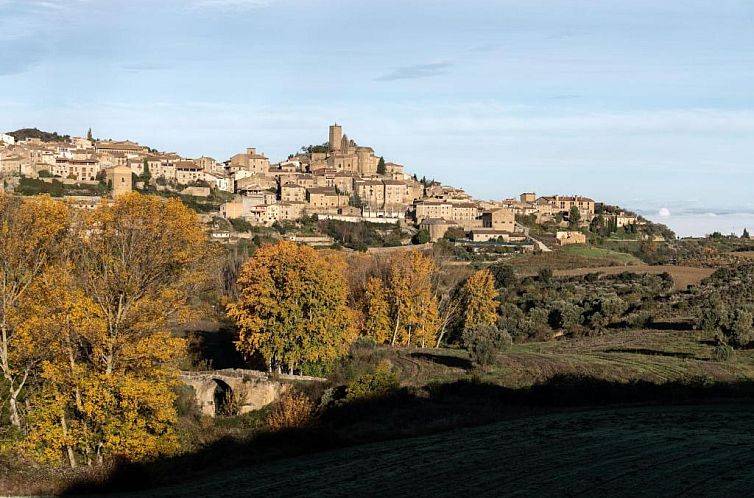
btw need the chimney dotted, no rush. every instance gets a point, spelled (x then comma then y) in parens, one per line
(251, 151)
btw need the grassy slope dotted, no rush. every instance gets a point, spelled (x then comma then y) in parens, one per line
(683, 450)
(532, 441)
(592, 252)
(655, 356)
(570, 257)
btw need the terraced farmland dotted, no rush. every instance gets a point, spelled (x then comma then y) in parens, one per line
(671, 450)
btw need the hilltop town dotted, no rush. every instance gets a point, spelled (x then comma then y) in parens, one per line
(337, 180)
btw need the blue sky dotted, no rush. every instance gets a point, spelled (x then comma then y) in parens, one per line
(644, 103)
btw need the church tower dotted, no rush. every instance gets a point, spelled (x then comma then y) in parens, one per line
(336, 134)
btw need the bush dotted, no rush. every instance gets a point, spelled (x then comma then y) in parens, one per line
(723, 352)
(294, 410)
(421, 237)
(373, 385)
(545, 275)
(231, 404)
(504, 274)
(484, 342)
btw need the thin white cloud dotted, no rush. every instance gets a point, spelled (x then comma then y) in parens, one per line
(416, 71)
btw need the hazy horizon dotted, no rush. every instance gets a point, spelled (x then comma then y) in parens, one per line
(640, 104)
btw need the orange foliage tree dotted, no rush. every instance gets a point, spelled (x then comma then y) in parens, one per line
(32, 232)
(293, 307)
(480, 300)
(103, 318)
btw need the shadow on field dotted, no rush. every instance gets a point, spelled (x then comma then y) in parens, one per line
(448, 361)
(654, 352)
(682, 325)
(405, 413)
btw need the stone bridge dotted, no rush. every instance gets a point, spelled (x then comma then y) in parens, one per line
(252, 389)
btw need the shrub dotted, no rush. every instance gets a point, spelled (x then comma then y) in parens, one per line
(741, 328)
(504, 274)
(484, 341)
(372, 385)
(545, 275)
(723, 352)
(231, 404)
(294, 410)
(421, 237)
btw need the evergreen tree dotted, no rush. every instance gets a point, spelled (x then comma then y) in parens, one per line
(574, 217)
(89, 134)
(146, 175)
(745, 235)
(381, 166)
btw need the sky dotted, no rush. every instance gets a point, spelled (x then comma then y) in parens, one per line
(646, 104)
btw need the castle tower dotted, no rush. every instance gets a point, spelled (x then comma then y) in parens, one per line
(345, 145)
(119, 178)
(336, 134)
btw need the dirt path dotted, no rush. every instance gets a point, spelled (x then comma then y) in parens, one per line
(683, 276)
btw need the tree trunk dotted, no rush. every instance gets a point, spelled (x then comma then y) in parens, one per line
(13, 393)
(395, 331)
(68, 448)
(15, 419)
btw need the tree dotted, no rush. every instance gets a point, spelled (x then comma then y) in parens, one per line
(745, 234)
(480, 300)
(377, 311)
(292, 307)
(108, 382)
(381, 170)
(413, 302)
(146, 176)
(421, 237)
(574, 217)
(89, 135)
(504, 274)
(32, 231)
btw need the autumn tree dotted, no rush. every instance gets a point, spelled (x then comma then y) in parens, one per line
(480, 300)
(292, 307)
(32, 231)
(377, 311)
(109, 371)
(413, 301)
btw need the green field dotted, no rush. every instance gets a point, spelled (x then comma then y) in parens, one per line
(571, 257)
(655, 356)
(678, 450)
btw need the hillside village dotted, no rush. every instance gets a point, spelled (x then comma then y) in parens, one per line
(338, 180)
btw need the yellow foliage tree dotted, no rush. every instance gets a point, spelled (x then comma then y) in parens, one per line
(377, 323)
(106, 317)
(414, 304)
(480, 300)
(293, 307)
(32, 231)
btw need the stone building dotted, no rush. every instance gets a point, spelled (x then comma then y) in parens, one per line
(556, 204)
(499, 219)
(345, 155)
(257, 164)
(291, 192)
(119, 177)
(566, 238)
